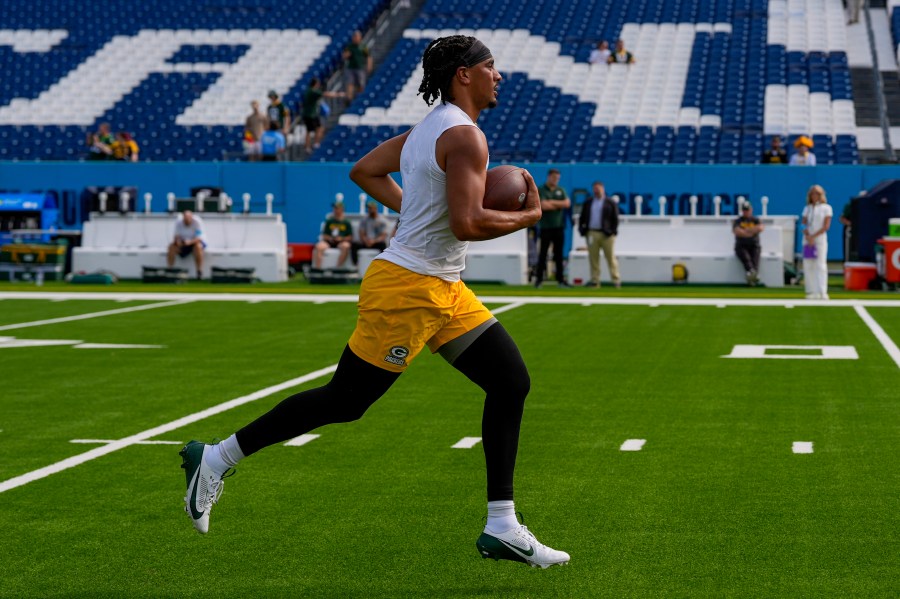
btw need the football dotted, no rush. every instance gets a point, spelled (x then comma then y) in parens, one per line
(505, 188)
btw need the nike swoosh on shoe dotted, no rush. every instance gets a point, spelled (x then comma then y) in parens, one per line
(192, 494)
(529, 553)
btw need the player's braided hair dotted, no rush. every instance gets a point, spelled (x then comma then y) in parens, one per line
(441, 59)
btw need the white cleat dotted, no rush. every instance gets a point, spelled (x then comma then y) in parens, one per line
(204, 487)
(519, 544)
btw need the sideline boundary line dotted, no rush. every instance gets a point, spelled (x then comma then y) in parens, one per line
(886, 342)
(93, 454)
(507, 308)
(37, 323)
(581, 300)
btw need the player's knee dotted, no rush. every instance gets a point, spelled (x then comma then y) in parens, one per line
(351, 400)
(355, 410)
(511, 382)
(519, 384)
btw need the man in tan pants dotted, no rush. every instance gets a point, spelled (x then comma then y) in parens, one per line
(599, 224)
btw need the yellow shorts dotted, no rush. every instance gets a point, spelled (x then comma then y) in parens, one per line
(401, 311)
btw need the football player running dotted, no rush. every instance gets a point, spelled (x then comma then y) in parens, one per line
(412, 296)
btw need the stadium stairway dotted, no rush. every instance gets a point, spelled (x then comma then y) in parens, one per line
(384, 34)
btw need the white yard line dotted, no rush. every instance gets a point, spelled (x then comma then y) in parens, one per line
(98, 452)
(574, 299)
(886, 342)
(301, 440)
(633, 445)
(507, 308)
(105, 441)
(37, 323)
(802, 447)
(466, 443)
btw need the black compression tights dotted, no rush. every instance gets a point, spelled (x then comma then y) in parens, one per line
(355, 386)
(492, 362)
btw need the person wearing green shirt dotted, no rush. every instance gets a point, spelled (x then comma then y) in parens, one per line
(337, 232)
(309, 112)
(277, 112)
(554, 203)
(357, 65)
(846, 219)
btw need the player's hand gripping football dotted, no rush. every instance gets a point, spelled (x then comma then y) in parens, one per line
(532, 205)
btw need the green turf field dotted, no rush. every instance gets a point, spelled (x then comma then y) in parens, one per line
(715, 503)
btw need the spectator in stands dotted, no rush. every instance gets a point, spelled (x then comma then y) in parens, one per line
(600, 54)
(621, 55)
(775, 154)
(746, 229)
(278, 113)
(125, 148)
(816, 220)
(310, 112)
(357, 66)
(272, 143)
(337, 232)
(254, 127)
(803, 156)
(188, 239)
(554, 203)
(853, 8)
(599, 225)
(100, 143)
(373, 231)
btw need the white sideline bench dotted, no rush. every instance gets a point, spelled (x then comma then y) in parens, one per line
(647, 247)
(504, 259)
(123, 244)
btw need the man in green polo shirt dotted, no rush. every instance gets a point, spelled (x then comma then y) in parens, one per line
(554, 203)
(357, 66)
(337, 232)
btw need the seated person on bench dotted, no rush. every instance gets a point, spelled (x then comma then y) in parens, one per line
(188, 240)
(337, 232)
(373, 231)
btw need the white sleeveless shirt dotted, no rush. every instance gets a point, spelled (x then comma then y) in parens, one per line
(424, 242)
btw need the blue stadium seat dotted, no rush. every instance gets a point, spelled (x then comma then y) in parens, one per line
(727, 77)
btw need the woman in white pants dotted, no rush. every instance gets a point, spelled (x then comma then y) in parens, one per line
(817, 219)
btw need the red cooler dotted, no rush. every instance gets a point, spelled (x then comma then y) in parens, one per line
(858, 274)
(891, 258)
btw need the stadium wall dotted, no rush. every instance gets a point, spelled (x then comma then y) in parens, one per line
(303, 192)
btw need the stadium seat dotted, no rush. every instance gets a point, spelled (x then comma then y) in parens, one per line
(736, 69)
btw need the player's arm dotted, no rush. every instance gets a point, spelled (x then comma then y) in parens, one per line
(373, 172)
(463, 154)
